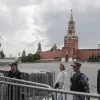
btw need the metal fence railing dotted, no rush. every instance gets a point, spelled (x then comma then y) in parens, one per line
(11, 90)
(13, 80)
(14, 89)
(44, 77)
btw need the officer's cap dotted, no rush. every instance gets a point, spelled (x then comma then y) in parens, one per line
(13, 64)
(76, 64)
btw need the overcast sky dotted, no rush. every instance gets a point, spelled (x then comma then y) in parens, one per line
(25, 23)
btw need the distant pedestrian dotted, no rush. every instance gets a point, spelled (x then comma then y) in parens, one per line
(79, 82)
(61, 82)
(98, 82)
(14, 92)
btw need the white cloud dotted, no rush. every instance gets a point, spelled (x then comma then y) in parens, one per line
(25, 23)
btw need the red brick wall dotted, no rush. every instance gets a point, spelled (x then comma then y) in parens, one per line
(84, 54)
(51, 55)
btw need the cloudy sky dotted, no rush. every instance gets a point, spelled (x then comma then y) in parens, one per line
(25, 23)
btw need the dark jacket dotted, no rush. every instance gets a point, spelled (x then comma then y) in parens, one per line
(98, 82)
(79, 83)
(14, 91)
(16, 75)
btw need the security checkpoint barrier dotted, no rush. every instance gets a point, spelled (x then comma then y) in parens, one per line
(45, 92)
(45, 77)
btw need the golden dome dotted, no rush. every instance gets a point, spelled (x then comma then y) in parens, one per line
(99, 43)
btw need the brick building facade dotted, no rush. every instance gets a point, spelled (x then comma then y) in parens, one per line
(70, 50)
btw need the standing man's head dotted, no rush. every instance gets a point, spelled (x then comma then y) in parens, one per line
(62, 67)
(13, 66)
(76, 66)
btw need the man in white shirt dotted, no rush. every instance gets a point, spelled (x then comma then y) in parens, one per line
(62, 79)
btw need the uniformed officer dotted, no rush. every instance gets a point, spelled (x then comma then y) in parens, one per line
(79, 82)
(14, 73)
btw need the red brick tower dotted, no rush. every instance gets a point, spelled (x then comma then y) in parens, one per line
(70, 41)
(39, 48)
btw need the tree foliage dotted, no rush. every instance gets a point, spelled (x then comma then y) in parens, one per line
(2, 54)
(23, 53)
(24, 58)
(31, 58)
(94, 58)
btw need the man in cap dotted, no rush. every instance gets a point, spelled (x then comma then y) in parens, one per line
(79, 82)
(14, 92)
(14, 72)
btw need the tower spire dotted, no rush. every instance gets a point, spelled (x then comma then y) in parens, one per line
(39, 48)
(71, 18)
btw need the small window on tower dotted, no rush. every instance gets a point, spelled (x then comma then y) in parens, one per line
(70, 31)
(72, 27)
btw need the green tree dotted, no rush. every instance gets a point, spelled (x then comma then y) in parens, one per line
(30, 58)
(36, 57)
(33, 57)
(92, 57)
(24, 57)
(96, 58)
(23, 53)
(2, 54)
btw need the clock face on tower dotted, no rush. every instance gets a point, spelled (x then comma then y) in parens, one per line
(70, 31)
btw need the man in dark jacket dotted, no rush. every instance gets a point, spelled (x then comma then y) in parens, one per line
(79, 82)
(14, 72)
(13, 91)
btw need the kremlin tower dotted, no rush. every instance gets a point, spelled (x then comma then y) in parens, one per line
(69, 51)
(70, 41)
(39, 48)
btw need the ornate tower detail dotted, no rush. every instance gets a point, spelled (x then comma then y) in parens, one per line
(54, 47)
(39, 48)
(71, 26)
(70, 40)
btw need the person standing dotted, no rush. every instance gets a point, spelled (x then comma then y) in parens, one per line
(14, 73)
(98, 82)
(61, 82)
(79, 82)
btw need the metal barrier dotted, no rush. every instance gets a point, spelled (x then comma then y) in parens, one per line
(45, 77)
(23, 81)
(12, 92)
(23, 90)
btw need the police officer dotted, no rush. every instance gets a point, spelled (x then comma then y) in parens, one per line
(14, 73)
(79, 82)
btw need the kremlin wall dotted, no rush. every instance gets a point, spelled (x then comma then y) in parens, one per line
(69, 51)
